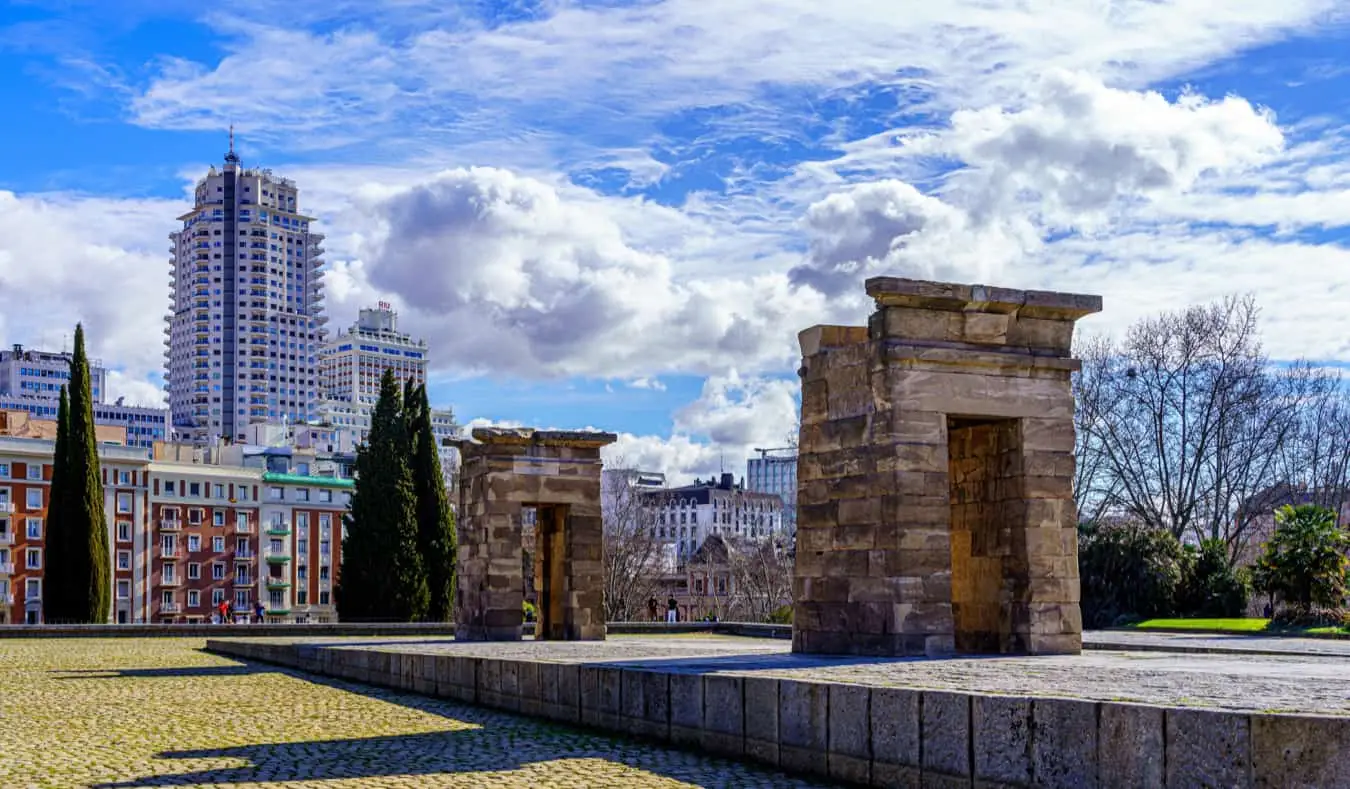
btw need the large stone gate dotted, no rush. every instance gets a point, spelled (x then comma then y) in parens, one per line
(935, 501)
(503, 473)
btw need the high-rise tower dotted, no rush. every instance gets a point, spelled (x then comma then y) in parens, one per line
(247, 306)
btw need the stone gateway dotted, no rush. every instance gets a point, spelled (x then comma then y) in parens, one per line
(557, 473)
(935, 475)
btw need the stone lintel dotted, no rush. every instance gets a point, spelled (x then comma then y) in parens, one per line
(939, 355)
(528, 436)
(953, 297)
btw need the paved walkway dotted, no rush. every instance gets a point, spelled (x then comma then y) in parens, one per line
(1217, 644)
(156, 712)
(1251, 682)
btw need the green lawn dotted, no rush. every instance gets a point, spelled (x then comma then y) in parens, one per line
(1231, 626)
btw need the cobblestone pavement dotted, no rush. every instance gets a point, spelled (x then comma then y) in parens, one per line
(127, 712)
(1255, 682)
(1217, 643)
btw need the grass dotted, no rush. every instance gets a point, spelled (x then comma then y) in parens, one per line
(1234, 626)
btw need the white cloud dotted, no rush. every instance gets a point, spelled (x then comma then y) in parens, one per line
(719, 430)
(653, 384)
(133, 390)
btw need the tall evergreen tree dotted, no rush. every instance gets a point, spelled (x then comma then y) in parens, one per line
(437, 541)
(58, 584)
(85, 571)
(382, 576)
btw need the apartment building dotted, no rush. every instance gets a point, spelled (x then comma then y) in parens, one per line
(302, 521)
(246, 320)
(686, 516)
(31, 381)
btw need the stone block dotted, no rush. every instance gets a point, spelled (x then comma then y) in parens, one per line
(1208, 748)
(1064, 748)
(686, 708)
(945, 727)
(894, 721)
(600, 694)
(723, 716)
(761, 719)
(1002, 739)
(803, 718)
(529, 695)
(1131, 745)
(849, 733)
(567, 705)
(425, 681)
(1300, 751)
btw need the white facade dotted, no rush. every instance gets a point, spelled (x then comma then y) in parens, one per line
(25, 372)
(31, 381)
(776, 474)
(247, 317)
(685, 517)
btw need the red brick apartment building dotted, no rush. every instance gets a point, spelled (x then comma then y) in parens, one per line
(188, 529)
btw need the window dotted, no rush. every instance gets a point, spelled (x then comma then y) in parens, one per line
(275, 547)
(195, 517)
(325, 495)
(166, 598)
(301, 598)
(170, 572)
(194, 571)
(323, 573)
(34, 499)
(194, 598)
(123, 531)
(194, 489)
(323, 598)
(241, 521)
(324, 549)
(218, 571)
(124, 590)
(35, 471)
(123, 502)
(302, 547)
(218, 491)
(218, 544)
(124, 477)
(4, 470)
(194, 543)
(218, 518)
(241, 493)
(124, 560)
(302, 494)
(217, 596)
(168, 488)
(32, 589)
(168, 544)
(34, 559)
(241, 599)
(274, 493)
(34, 526)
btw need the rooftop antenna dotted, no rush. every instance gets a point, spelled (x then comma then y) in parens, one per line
(231, 156)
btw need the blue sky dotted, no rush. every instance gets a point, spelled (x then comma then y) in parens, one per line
(619, 214)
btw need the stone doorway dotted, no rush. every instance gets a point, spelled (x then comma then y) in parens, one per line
(988, 534)
(504, 473)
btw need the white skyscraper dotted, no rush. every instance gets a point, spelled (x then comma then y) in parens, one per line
(247, 306)
(351, 365)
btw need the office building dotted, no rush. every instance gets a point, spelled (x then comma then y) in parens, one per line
(775, 471)
(246, 322)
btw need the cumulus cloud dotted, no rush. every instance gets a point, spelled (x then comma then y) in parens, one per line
(504, 274)
(733, 415)
(134, 390)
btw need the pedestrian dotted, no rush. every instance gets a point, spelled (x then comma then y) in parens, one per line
(224, 612)
(651, 609)
(672, 610)
(259, 611)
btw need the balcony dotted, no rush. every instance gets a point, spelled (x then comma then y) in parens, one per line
(279, 529)
(278, 583)
(7, 538)
(169, 553)
(170, 608)
(177, 580)
(171, 524)
(278, 611)
(278, 558)
(6, 507)
(245, 556)
(7, 598)
(6, 568)
(243, 580)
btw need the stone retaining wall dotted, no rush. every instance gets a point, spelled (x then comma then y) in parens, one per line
(361, 629)
(868, 735)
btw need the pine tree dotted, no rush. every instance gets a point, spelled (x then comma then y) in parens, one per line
(437, 541)
(57, 581)
(82, 533)
(382, 576)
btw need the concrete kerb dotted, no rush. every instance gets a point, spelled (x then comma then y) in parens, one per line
(870, 735)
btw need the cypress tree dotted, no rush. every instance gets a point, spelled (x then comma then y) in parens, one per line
(381, 575)
(436, 538)
(88, 559)
(57, 580)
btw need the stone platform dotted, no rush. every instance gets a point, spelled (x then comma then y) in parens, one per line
(1104, 718)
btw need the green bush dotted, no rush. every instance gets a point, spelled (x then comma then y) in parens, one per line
(1304, 561)
(1128, 572)
(781, 616)
(1210, 585)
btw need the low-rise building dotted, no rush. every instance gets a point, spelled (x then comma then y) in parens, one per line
(686, 516)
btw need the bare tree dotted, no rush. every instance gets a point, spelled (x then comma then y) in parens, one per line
(1185, 420)
(761, 575)
(1316, 462)
(633, 553)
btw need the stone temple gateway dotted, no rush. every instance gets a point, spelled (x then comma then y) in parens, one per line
(557, 473)
(935, 474)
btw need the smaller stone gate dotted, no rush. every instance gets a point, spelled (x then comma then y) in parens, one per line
(504, 472)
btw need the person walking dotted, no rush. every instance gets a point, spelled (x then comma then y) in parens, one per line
(259, 611)
(672, 610)
(224, 612)
(651, 609)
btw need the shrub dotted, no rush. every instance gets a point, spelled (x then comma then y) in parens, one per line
(1210, 585)
(1304, 561)
(530, 611)
(1311, 617)
(781, 616)
(1128, 571)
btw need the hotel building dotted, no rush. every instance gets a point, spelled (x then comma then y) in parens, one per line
(246, 322)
